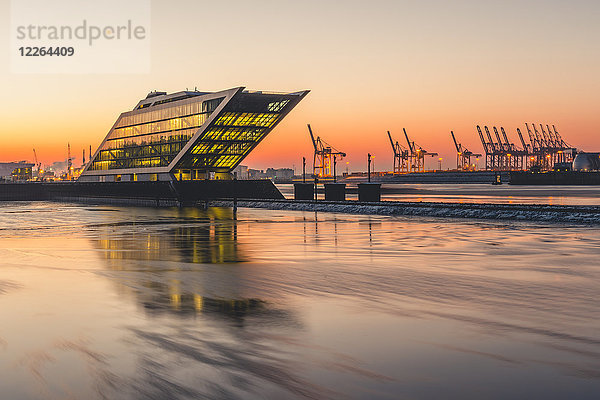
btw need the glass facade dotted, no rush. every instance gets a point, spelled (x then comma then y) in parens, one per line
(154, 136)
(242, 124)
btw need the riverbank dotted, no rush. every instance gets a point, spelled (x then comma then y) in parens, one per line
(520, 212)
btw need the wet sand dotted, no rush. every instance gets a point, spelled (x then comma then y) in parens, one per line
(142, 303)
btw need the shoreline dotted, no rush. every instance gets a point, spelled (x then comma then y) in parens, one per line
(487, 211)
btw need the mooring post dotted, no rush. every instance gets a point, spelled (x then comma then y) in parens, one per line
(369, 167)
(303, 169)
(234, 193)
(334, 172)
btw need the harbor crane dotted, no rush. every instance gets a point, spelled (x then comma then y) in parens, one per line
(463, 156)
(325, 157)
(502, 155)
(548, 147)
(38, 165)
(401, 156)
(69, 163)
(545, 149)
(417, 155)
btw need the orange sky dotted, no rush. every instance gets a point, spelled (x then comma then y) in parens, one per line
(428, 66)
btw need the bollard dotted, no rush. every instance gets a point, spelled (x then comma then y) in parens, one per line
(369, 192)
(335, 191)
(304, 191)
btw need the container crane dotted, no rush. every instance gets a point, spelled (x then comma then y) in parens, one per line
(496, 155)
(325, 157)
(547, 138)
(553, 139)
(401, 156)
(509, 145)
(526, 146)
(38, 165)
(463, 156)
(417, 155)
(517, 158)
(69, 163)
(502, 154)
(501, 145)
(526, 149)
(488, 148)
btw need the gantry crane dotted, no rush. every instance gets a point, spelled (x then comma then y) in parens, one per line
(38, 165)
(502, 155)
(417, 155)
(545, 149)
(463, 156)
(325, 157)
(548, 148)
(69, 163)
(401, 156)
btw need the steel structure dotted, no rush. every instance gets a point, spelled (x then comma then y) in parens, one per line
(463, 156)
(187, 135)
(37, 164)
(69, 163)
(324, 158)
(502, 154)
(544, 150)
(417, 155)
(548, 147)
(401, 156)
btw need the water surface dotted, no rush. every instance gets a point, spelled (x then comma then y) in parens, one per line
(121, 302)
(576, 195)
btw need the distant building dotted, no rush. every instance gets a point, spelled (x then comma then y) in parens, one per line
(188, 135)
(241, 172)
(256, 174)
(16, 171)
(587, 162)
(280, 173)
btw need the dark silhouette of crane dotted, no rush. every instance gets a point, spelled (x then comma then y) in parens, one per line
(38, 165)
(69, 163)
(417, 155)
(463, 156)
(325, 157)
(401, 156)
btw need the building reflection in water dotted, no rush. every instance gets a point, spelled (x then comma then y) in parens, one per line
(182, 265)
(195, 236)
(208, 317)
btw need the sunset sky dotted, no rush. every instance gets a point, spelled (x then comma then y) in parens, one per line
(371, 66)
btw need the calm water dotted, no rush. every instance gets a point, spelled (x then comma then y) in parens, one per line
(128, 303)
(479, 193)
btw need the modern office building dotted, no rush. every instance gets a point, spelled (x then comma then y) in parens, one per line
(188, 135)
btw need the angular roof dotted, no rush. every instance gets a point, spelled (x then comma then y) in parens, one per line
(210, 131)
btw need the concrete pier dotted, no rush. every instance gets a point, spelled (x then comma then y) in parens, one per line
(369, 192)
(184, 193)
(304, 191)
(335, 191)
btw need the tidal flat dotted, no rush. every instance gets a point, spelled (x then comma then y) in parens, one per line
(142, 303)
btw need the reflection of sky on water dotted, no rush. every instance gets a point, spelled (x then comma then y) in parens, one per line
(157, 303)
(477, 193)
